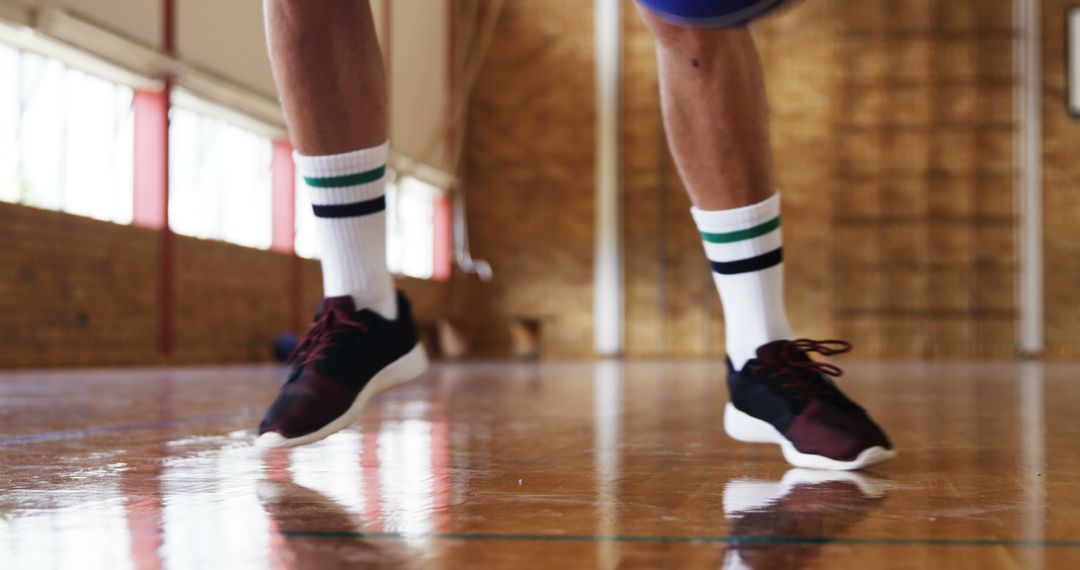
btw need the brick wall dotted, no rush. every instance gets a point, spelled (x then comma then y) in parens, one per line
(81, 292)
(529, 172)
(893, 129)
(231, 302)
(923, 231)
(1061, 139)
(75, 291)
(893, 132)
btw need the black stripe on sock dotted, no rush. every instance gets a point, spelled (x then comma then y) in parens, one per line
(763, 261)
(351, 210)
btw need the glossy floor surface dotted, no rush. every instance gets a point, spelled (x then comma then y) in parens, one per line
(554, 465)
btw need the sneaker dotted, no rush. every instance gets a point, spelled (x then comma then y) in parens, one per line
(785, 397)
(347, 357)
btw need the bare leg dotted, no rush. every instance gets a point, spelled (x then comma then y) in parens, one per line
(329, 71)
(330, 74)
(716, 117)
(715, 113)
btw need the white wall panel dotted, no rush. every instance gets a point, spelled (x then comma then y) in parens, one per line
(227, 39)
(140, 20)
(420, 40)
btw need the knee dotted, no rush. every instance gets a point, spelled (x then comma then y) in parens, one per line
(305, 15)
(309, 6)
(289, 8)
(670, 35)
(320, 28)
(715, 14)
(703, 45)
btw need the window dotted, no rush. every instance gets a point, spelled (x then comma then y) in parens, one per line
(67, 144)
(65, 138)
(220, 180)
(410, 209)
(410, 231)
(305, 244)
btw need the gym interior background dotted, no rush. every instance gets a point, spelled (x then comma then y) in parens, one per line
(895, 127)
(149, 217)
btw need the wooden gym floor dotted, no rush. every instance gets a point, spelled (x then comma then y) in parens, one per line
(561, 465)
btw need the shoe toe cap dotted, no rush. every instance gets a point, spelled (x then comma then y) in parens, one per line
(270, 440)
(836, 433)
(305, 406)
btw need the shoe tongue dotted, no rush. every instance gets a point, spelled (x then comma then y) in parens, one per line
(338, 304)
(774, 352)
(771, 352)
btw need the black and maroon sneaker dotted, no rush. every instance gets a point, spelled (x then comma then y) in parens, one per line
(785, 397)
(347, 357)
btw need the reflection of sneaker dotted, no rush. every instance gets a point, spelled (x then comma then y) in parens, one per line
(745, 495)
(346, 358)
(307, 519)
(785, 397)
(784, 524)
(297, 508)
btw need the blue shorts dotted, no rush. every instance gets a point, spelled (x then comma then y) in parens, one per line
(712, 13)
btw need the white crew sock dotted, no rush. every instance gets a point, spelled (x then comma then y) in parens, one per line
(744, 247)
(347, 193)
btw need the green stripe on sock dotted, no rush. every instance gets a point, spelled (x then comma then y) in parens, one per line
(357, 179)
(742, 235)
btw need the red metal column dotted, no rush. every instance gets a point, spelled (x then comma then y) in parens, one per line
(168, 240)
(144, 507)
(284, 198)
(284, 227)
(151, 159)
(151, 180)
(442, 265)
(386, 31)
(151, 208)
(443, 218)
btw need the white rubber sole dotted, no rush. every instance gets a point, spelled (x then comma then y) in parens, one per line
(402, 370)
(744, 427)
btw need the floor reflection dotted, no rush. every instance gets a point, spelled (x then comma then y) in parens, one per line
(576, 465)
(1031, 405)
(767, 517)
(216, 501)
(65, 533)
(607, 420)
(293, 506)
(209, 512)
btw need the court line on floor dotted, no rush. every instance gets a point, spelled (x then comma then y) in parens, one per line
(706, 539)
(95, 432)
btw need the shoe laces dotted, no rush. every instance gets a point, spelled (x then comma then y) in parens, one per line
(332, 329)
(803, 373)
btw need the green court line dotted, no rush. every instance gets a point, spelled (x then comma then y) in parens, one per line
(706, 539)
(741, 235)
